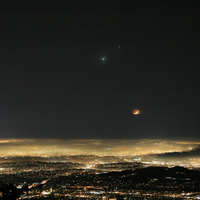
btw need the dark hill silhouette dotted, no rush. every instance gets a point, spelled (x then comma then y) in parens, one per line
(11, 192)
(183, 155)
(117, 174)
(160, 173)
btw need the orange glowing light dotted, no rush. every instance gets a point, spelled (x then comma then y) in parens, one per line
(136, 112)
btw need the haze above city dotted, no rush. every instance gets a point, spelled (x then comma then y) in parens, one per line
(56, 147)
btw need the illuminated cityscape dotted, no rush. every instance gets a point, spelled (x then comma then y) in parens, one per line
(99, 100)
(62, 173)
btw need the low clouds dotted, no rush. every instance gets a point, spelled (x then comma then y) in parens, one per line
(56, 147)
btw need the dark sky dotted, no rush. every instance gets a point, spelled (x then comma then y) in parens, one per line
(54, 83)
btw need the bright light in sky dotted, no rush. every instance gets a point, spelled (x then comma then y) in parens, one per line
(136, 112)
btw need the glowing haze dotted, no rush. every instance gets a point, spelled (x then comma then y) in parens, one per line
(55, 147)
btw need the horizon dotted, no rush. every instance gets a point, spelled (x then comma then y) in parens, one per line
(98, 147)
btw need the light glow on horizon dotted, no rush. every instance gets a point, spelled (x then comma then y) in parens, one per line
(99, 147)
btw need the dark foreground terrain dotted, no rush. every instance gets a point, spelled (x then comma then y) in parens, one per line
(41, 180)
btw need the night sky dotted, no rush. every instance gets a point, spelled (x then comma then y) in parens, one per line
(78, 69)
